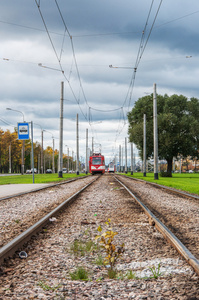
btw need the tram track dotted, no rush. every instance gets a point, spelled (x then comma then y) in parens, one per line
(191, 259)
(181, 219)
(20, 240)
(22, 211)
(38, 189)
(50, 257)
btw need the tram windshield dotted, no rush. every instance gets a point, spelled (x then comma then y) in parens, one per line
(96, 160)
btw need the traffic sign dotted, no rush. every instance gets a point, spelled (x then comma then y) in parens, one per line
(23, 131)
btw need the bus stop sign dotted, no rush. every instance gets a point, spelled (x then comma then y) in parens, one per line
(23, 131)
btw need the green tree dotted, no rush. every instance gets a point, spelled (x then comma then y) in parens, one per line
(178, 126)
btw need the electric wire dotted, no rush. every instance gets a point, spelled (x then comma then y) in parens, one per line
(141, 50)
(132, 82)
(41, 15)
(61, 69)
(100, 34)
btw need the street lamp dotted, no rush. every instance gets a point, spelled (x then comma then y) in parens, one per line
(8, 108)
(53, 149)
(42, 155)
(23, 147)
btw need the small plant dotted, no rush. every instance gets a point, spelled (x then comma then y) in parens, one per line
(130, 275)
(17, 221)
(77, 248)
(156, 272)
(112, 273)
(46, 287)
(99, 261)
(112, 252)
(89, 246)
(80, 247)
(79, 274)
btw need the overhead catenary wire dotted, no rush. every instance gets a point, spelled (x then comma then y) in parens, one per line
(58, 59)
(139, 56)
(141, 50)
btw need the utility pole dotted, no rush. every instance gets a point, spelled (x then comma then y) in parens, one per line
(33, 167)
(86, 163)
(60, 174)
(92, 145)
(10, 158)
(132, 159)
(53, 155)
(144, 146)
(77, 145)
(155, 132)
(42, 151)
(68, 166)
(122, 168)
(125, 155)
(119, 158)
(72, 160)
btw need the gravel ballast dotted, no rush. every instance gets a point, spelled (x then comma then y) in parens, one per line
(52, 255)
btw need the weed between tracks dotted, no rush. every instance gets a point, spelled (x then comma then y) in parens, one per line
(103, 253)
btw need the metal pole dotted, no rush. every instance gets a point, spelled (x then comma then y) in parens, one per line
(68, 159)
(42, 151)
(125, 155)
(155, 132)
(10, 158)
(92, 145)
(122, 168)
(38, 165)
(33, 169)
(53, 155)
(86, 163)
(77, 145)
(60, 174)
(119, 158)
(22, 163)
(144, 146)
(72, 160)
(131, 158)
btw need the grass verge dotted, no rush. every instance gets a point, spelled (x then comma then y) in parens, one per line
(38, 178)
(184, 182)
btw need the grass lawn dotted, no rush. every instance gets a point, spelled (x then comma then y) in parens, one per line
(184, 181)
(38, 178)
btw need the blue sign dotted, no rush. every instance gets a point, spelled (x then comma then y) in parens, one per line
(23, 131)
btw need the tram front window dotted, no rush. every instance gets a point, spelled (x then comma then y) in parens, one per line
(96, 161)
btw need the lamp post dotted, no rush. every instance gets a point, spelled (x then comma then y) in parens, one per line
(23, 145)
(42, 150)
(53, 160)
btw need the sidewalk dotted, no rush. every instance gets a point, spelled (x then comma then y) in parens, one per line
(14, 189)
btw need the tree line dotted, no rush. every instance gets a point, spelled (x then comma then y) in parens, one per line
(11, 152)
(178, 127)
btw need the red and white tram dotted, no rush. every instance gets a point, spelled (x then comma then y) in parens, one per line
(111, 167)
(96, 164)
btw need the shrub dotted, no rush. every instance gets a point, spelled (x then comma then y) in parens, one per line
(112, 252)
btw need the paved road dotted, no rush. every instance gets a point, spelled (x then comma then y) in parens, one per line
(14, 189)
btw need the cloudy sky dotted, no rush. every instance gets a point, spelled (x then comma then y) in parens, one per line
(45, 42)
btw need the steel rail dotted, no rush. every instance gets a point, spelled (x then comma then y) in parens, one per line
(42, 188)
(10, 248)
(159, 186)
(180, 247)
